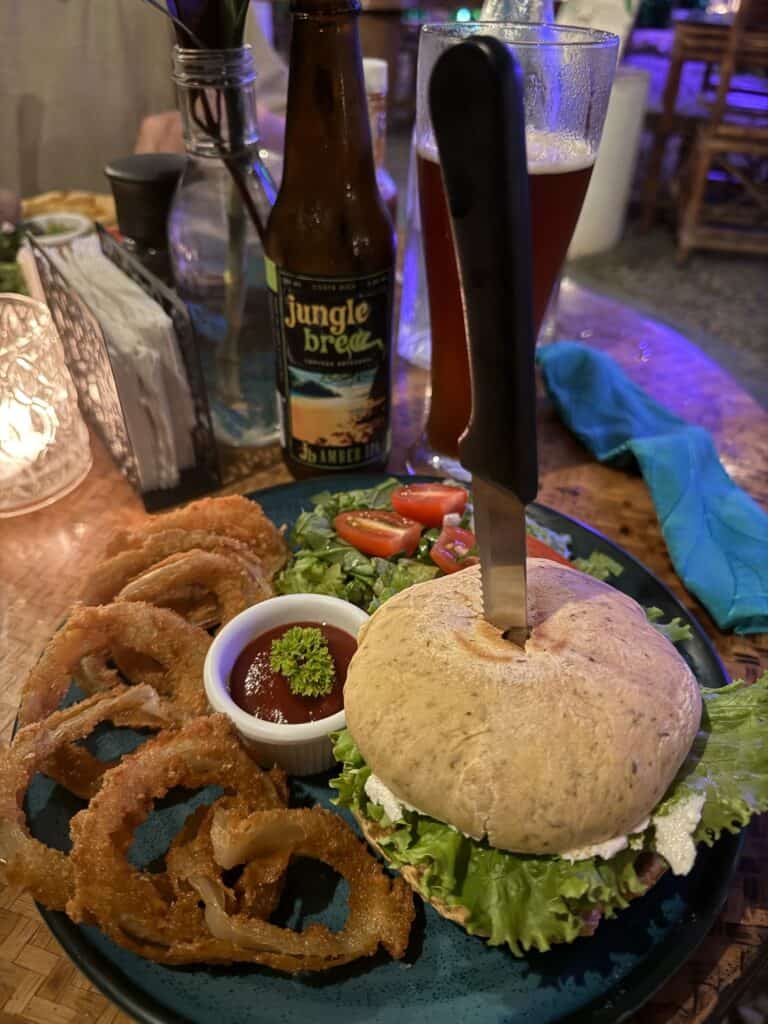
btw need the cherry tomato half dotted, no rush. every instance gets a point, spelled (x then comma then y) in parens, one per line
(428, 503)
(451, 549)
(538, 549)
(378, 533)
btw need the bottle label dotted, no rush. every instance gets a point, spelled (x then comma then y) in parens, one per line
(332, 337)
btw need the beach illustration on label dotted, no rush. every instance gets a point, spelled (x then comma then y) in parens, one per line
(335, 409)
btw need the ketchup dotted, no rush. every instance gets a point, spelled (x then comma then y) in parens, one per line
(264, 693)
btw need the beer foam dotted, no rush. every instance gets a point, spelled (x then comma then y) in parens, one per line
(547, 152)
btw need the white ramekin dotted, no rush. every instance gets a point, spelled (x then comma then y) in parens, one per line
(75, 225)
(302, 749)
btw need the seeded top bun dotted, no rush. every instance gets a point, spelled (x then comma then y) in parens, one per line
(563, 745)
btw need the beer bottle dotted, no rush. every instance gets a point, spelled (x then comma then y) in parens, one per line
(330, 256)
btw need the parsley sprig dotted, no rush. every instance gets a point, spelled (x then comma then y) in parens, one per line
(301, 654)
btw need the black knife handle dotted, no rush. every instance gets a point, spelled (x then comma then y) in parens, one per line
(475, 97)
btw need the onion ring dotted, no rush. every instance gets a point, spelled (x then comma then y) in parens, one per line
(141, 910)
(76, 769)
(258, 889)
(232, 516)
(94, 672)
(24, 861)
(178, 648)
(380, 908)
(114, 572)
(181, 579)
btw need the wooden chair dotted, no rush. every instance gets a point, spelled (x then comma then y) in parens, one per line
(734, 143)
(693, 41)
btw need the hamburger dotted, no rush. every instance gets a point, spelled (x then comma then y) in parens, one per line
(527, 793)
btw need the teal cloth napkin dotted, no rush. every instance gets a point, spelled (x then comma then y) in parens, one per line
(716, 534)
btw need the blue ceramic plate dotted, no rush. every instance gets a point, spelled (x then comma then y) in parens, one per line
(448, 976)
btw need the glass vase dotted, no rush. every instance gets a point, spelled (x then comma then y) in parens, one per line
(215, 224)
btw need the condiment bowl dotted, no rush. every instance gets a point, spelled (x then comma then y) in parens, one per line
(57, 229)
(302, 749)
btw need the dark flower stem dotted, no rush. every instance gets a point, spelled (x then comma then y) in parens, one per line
(211, 126)
(177, 22)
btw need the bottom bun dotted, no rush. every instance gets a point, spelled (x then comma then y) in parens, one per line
(649, 870)
(411, 873)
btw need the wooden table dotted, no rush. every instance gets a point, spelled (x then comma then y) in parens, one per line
(43, 557)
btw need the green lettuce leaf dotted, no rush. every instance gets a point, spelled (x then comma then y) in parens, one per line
(601, 566)
(393, 577)
(675, 630)
(728, 761)
(342, 571)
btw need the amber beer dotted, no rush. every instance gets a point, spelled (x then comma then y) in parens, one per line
(330, 256)
(558, 176)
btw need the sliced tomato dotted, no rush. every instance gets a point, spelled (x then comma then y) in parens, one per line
(451, 550)
(429, 503)
(378, 533)
(538, 549)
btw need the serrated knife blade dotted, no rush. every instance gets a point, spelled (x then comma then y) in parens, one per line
(476, 103)
(500, 531)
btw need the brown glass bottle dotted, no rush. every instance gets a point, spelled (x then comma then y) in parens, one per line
(330, 256)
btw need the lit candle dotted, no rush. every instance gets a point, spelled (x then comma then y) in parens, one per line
(44, 449)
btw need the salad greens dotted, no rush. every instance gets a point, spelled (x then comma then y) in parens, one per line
(325, 564)
(601, 566)
(530, 902)
(675, 630)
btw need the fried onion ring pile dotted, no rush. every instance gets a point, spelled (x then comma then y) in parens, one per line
(234, 516)
(136, 646)
(115, 572)
(175, 649)
(181, 581)
(139, 909)
(380, 908)
(149, 645)
(159, 916)
(45, 872)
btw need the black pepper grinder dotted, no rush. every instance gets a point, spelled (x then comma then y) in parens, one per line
(143, 186)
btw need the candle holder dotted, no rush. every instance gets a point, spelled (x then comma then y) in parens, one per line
(44, 447)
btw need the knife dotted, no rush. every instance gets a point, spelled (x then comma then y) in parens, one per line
(476, 105)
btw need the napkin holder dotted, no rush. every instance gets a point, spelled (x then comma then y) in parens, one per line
(89, 362)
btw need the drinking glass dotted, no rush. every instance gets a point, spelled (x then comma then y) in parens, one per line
(567, 75)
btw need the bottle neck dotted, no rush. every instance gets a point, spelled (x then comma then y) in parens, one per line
(327, 114)
(217, 100)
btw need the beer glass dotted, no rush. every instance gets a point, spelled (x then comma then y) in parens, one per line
(567, 74)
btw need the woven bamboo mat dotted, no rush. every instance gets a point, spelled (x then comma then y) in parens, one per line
(38, 981)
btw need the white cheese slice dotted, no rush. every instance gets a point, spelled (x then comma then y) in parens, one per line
(674, 833)
(607, 849)
(379, 793)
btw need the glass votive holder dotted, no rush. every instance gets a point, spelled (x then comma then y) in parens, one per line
(44, 447)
